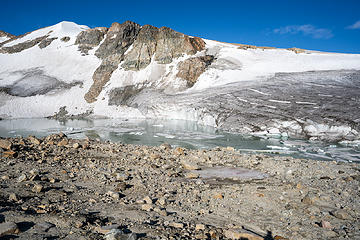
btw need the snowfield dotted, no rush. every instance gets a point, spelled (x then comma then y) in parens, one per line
(253, 90)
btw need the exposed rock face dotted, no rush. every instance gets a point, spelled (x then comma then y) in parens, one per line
(65, 39)
(143, 49)
(118, 39)
(90, 38)
(164, 42)
(22, 46)
(46, 42)
(296, 50)
(5, 34)
(192, 68)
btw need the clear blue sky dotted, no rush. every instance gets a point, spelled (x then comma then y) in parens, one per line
(327, 25)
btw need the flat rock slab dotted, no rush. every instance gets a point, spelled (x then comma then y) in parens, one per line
(8, 228)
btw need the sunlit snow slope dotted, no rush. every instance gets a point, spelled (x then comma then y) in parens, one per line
(130, 70)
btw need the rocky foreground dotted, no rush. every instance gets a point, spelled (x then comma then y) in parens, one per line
(60, 188)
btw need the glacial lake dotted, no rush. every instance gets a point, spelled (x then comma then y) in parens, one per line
(178, 133)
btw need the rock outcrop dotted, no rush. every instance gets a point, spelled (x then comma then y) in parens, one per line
(296, 50)
(164, 42)
(90, 38)
(22, 46)
(46, 42)
(148, 42)
(5, 34)
(191, 69)
(118, 39)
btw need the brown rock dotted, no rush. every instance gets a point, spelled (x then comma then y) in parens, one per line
(34, 140)
(191, 175)
(9, 154)
(147, 207)
(37, 188)
(232, 234)
(176, 225)
(310, 199)
(218, 196)
(341, 214)
(5, 144)
(63, 142)
(296, 50)
(199, 227)
(326, 224)
(13, 197)
(189, 166)
(191, 69)
(8, 228)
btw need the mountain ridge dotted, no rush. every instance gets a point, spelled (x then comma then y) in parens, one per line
(128, 70)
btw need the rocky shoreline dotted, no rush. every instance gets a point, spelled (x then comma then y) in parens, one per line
(61, 188)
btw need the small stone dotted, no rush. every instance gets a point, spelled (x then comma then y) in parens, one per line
(218, 196)
(179, 151)
(148, 200)
(63, 142)
(5, 177)
(176, 225)
(37, 188)
(121, 186)
(44, 226)
(161, 201)
(162, 212)
(52, 180)
(147, 207)
(78, 224)
(114, 195)
(191, 175)
(117, 234)
(34, 140)
(165, 146)
(230, 149)
(190, 166)
(76, 145)
(8, 228)
(9, 154)
(326, 224)
(12, 197)
(5, 144)
(341, 214)
(22, 178)
(199, 227)
(65, 39)
(121, 176)
(106, 229)
(310, 199)
(232, 234)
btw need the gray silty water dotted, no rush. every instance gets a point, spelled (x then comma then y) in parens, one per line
(177, 133)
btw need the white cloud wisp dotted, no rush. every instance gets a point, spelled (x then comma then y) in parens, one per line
(307, 30)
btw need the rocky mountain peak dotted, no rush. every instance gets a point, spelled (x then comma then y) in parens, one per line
(163, 43)
(5, 34)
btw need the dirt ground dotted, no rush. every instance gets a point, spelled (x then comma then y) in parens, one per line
(60, 188)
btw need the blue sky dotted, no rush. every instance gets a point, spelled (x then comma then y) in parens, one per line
(327, 25)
